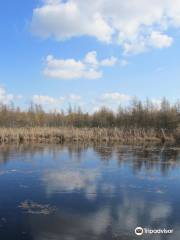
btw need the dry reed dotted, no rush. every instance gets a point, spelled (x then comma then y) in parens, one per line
(71, 134)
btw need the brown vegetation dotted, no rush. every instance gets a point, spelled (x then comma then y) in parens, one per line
(71, 134)
(135, 123)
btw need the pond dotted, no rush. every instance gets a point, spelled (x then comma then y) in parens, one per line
(79, 192)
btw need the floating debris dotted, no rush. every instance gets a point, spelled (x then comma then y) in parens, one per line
(36, 208)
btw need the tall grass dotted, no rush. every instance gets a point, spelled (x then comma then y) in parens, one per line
(71, 134)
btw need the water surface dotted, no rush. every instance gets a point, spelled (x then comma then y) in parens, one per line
(78, 192)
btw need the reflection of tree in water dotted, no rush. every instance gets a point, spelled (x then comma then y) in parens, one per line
(76, 150)
(4, 155)
(104, 151)
(169, 159)
(124, 153)
(7, 152)
(30, 151)
(11, 152)
(149, 158)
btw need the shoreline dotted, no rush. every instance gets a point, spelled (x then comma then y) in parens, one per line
(62, 135)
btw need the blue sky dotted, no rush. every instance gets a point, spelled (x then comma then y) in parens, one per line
(93, 63)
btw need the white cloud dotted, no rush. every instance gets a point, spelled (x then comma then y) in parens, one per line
(65, 20)
(51, 103)
(160, 40)
(43, 100)
(135, 47)
(88, 68)
(111, 100)
(115, 96)
(90, 104)
(91, 58)
(74, 97)
(135, 25)
(5, 98)
(109, 62)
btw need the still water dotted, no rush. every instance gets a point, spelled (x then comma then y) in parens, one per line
(77, 192)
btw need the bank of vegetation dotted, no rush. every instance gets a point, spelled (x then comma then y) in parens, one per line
(140, 121)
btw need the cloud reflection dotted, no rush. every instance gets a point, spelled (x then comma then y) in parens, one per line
(107, 221)
(71, 180)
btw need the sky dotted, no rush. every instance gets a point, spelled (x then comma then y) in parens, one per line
(88, 53)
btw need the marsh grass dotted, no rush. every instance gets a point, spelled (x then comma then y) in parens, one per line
(70, 134)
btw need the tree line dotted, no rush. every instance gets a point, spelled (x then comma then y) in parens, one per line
(137, 114)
